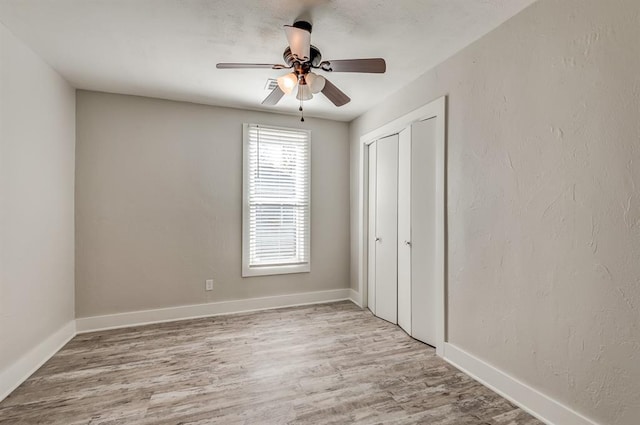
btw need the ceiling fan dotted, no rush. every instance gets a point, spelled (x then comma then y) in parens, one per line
(302, 58)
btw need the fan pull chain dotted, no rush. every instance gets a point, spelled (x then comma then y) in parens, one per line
(301, 112)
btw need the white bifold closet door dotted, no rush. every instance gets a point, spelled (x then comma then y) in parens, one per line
(401, 228)
(423, 231)
(404, 230)
(386, 229)
(371, 229)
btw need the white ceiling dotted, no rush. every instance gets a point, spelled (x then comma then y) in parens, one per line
(169, 48)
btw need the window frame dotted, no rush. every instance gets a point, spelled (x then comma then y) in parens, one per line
(247, 269)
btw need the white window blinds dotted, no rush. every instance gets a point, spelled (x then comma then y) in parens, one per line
(277, 200)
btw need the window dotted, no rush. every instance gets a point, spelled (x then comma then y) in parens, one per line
(276, 200)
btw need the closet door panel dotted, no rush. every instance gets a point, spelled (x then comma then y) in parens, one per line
(404, 230)
(423, 226)
(386, 258)
(371, 230)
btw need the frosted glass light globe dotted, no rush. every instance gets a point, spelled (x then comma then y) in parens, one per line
(287, 82)
(315, 82)
(304, 92)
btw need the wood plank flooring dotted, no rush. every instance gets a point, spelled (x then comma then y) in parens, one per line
(322, 364)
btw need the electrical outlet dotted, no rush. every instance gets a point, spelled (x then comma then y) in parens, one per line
(208, 285)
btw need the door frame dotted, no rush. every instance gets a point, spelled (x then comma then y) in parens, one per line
(437, 110)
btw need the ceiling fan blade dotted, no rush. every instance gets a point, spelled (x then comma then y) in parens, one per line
(335, 94)
(372, 65)
(274, 97)
(250, 65)
(299, 41)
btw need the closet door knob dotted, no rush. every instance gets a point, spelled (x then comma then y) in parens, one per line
(407, 243)
(378, 239)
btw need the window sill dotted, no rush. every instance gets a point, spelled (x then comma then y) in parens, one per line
(274, 270)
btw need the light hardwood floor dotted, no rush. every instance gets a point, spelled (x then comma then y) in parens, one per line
(322, 364)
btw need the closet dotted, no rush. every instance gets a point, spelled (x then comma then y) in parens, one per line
(401, 230)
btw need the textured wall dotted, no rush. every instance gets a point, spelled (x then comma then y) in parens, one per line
(159, 205)
(544, 199)
(37, 137)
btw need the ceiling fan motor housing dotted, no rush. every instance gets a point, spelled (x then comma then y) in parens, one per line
(291, 60)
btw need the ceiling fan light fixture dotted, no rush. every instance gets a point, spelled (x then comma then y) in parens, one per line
(304, 92)
(287, 82)
(315, 82)
(301, 57)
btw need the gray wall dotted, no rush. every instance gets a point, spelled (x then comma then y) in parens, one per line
(543, 199)
(37, 113)
(159, 205)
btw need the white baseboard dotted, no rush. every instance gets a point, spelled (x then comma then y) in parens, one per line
(144, 317)
(354, 296)
(18, 372)
(527, 398)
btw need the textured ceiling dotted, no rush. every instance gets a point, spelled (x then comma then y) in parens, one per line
(169, 48)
